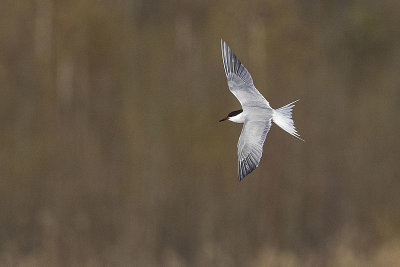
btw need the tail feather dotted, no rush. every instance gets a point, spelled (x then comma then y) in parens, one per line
(283, 118)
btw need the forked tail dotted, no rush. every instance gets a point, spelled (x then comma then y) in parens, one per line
(283, 118)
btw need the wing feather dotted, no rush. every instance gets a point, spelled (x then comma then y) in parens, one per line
(250, 146)
(240, 81)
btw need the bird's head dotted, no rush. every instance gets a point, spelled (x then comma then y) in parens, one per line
(235, 116)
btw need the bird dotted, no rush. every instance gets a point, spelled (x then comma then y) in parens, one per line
(256, 114)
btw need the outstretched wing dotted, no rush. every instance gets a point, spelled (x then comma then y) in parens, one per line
(250, 145)
(239, 80)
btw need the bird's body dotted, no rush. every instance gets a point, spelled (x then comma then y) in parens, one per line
(256, 113)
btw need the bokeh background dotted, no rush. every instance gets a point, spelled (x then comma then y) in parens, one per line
(112, 154)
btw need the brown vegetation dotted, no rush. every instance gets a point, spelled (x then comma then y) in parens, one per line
(111, 153)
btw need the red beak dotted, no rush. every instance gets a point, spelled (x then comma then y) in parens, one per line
(224, 119)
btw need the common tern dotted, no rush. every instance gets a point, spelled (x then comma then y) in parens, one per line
(256, 113)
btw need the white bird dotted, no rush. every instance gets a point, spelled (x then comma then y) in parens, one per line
(256, 113)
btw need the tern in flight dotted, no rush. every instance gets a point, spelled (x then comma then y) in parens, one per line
(256, 113)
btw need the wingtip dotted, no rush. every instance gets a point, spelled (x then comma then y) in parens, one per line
(241, 176)
(223, 44)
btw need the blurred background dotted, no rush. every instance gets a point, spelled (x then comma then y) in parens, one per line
(112, 154)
